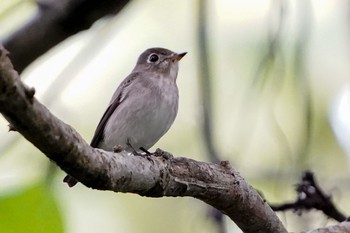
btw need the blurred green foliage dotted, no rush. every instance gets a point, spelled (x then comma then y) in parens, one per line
(33, 209)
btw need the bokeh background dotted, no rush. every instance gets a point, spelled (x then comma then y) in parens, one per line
(265, 85)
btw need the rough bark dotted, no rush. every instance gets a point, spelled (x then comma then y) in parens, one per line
(53, 22)
(343, 227)
(218, 185)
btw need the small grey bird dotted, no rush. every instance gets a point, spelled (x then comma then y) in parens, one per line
(143, 107)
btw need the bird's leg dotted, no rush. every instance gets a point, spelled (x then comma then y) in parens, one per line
(135, 152)
(146, 151)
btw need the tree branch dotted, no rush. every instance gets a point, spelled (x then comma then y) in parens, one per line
(53, 22)
(343, 227)
(218, 185)
(311, 196)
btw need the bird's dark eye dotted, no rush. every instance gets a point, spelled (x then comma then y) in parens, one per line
(153, 58)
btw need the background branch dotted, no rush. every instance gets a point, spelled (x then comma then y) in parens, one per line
(311, 196)
(206, 97)
(205, 83)
(53, 22)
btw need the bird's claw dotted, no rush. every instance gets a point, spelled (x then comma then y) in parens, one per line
(161, 153)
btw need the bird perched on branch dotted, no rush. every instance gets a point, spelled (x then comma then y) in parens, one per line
(143, 107)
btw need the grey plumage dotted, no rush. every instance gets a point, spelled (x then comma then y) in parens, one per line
(143, 107)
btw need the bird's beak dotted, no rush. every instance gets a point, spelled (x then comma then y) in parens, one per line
(177, 56)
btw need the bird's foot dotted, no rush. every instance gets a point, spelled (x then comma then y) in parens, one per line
(161, 153)
(146, 154)
(146, 151)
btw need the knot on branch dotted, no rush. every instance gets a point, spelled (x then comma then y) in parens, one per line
(30, 92)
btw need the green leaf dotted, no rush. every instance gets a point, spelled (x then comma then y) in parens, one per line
(30, 210)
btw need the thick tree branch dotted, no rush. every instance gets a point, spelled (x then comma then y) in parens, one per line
(53, 22)
(218, 185)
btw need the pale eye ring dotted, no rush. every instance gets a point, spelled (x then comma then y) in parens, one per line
(153, 58)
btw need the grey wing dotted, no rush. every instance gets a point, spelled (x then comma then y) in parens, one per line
(117, 98)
